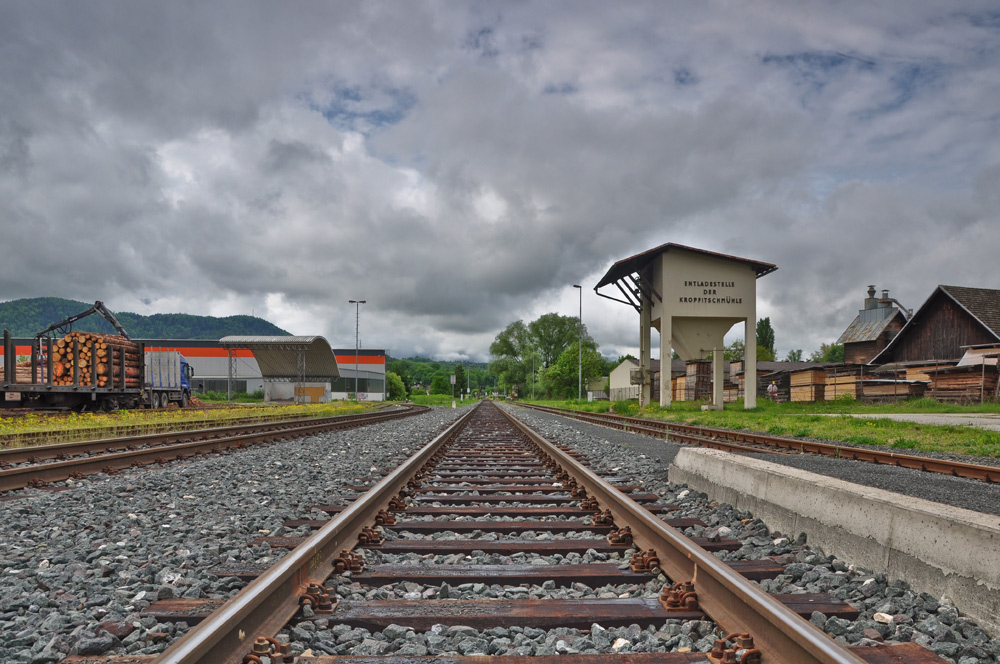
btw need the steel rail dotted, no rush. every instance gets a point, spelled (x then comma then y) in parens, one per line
(983, 473)
(730, 600)
(24, 439)
(216, 439)
(263, 607)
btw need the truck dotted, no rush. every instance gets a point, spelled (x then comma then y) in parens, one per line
(167, 379)
(84, 371)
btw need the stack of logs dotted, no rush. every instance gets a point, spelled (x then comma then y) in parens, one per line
(95, 355)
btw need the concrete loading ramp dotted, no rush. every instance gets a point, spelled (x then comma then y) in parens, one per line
(944, 550)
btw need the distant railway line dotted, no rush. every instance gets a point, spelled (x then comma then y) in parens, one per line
(21, 467)
(747, 442)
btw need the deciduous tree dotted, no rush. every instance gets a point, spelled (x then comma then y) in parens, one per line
(394, 386)
(508, 353)
(552, 334)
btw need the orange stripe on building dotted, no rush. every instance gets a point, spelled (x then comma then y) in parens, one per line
(362, 359)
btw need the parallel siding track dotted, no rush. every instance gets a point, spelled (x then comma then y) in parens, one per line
(747, 442)
(34, 466)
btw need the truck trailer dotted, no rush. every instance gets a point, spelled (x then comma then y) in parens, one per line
(84, 371)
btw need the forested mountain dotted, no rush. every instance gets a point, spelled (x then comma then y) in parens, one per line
(27, 317)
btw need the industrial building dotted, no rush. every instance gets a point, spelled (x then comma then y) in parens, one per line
(285, 368)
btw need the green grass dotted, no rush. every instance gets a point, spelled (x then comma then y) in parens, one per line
(437, 400)
(828, 420)
(238, 397)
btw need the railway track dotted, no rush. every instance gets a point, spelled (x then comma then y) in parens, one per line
(34, 466)
(50, 435)
(489, 485)
(747, 442)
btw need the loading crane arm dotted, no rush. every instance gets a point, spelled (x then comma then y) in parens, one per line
(98, 308)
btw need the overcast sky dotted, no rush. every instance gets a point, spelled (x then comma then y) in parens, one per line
(459, 165)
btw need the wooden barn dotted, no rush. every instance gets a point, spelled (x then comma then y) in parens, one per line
(875, 326)
(952, 319)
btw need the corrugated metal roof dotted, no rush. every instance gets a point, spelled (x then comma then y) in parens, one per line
(865, 330)
(278, 356)
(242, 340)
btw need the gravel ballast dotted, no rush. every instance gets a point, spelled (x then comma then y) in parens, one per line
(78, 565)
(891, 611)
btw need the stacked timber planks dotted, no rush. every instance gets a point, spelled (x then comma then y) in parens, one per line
(680, 389)
(95, 360)
(841, 381)
(808, 385)
(926, 372)
(699, 380)
(890, 390)
(967, 384)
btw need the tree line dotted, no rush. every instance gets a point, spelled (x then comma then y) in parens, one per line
(543, 358)
(27, 316)
(405, 375)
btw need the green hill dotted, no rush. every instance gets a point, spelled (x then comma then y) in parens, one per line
(27, 317)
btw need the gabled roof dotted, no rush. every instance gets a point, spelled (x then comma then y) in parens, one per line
(870, 330)
(983, 304)
(633, 264)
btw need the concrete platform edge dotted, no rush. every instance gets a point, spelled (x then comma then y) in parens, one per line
(943, 550)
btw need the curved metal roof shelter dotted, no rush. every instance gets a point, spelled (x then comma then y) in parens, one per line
(294, 358)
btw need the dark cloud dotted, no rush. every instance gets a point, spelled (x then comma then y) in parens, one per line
(461, 165)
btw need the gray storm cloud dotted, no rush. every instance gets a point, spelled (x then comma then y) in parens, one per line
(460, 165)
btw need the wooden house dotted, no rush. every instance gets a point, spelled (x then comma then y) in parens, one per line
(953, 318)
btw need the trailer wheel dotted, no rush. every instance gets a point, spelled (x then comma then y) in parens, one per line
(154, 400)
(109, 405)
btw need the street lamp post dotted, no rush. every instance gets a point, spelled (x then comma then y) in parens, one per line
(579, 345)
(357, 323)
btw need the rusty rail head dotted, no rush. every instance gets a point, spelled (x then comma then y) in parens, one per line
(269, 602)
(732, 601)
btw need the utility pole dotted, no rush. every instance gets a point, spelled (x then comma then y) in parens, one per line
(579, 345)
(357, 324)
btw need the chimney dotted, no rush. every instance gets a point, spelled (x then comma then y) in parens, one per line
(871, 302)
(885, 302)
